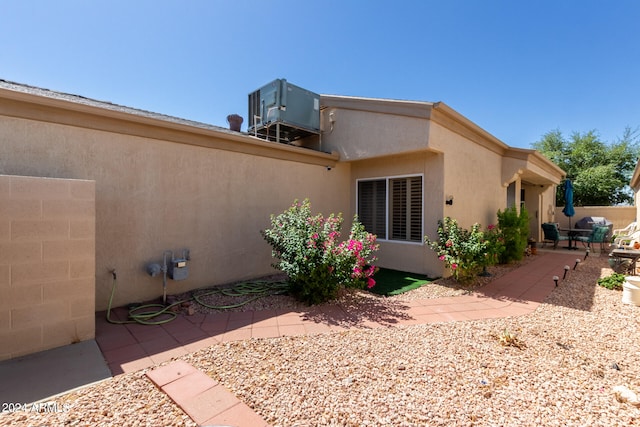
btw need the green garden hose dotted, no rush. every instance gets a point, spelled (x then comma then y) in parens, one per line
(258, 288)
(147, 314)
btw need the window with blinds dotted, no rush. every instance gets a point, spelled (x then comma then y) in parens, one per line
(392, 207)
(405, 220)
(372, 206)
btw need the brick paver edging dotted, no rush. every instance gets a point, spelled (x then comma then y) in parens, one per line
(203, 398)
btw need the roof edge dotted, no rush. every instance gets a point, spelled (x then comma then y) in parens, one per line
(81, 102)
(91, 114)
(499, 146)
(420, 109)
(535, 157)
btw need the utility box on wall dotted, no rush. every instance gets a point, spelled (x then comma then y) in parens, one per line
(178, 269)
(283, 112)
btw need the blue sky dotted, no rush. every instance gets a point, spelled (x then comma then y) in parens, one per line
(516, 68)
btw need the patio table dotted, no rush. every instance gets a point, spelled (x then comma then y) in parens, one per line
(572, 233)
(618, 256)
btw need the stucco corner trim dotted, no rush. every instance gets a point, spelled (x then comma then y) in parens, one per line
(512, 178)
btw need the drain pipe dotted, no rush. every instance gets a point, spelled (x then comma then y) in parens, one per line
(177, 270)
(154, 269)
(165, 269)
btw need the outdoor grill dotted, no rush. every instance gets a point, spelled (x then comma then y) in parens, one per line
(588, 222)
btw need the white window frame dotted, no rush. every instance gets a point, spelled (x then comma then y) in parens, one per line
(387, 179)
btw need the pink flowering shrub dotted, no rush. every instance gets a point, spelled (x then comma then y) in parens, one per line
(464, 252)
(309, 250)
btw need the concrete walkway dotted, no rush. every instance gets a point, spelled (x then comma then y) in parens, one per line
(131, 347)
(45, 374)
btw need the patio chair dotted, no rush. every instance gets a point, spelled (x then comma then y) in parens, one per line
(622, 236)
(627, 242)
(552, 234)
(599, 234)
(627, 231)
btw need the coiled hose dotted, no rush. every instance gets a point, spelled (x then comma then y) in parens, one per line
(148, 314)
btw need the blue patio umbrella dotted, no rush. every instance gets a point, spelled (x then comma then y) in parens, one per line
(568, 209)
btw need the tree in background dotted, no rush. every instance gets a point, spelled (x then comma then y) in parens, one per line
(600, 172)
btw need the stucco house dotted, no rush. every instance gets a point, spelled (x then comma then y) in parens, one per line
(151, 183)
(413, 163)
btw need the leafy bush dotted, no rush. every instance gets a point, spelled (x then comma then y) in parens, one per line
(514, 229)
(613, 281)
(308, 251)
(495, 245)
(463, 251)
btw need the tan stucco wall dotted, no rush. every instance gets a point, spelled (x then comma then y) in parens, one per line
(166, 184)
(532, 205)
(360, 135)
(636, 200)
(548, 206)
(634, 183)
(528, 166)
(154, 195)
(457, 158)
(47, 263)
(472, 175)
(540, 204)
(620, 216)
(408, 256)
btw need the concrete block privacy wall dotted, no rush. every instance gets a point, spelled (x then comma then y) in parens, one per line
(47, 263)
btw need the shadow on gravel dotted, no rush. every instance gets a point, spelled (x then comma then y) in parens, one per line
(359, 310)
(578, 291)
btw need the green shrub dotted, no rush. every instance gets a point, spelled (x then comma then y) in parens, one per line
(514, 229)
(495, 245)
(463, 251)
(307, 249)
(613, 281)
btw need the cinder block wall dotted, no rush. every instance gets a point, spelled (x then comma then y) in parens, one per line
(47, 263)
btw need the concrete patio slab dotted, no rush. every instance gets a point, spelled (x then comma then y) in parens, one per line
(42, 375)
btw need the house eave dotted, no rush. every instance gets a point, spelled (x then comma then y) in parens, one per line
(82, 112)
(417, 109)
(530, 166)
(456, 122)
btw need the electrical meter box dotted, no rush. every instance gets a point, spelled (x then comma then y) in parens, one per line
(178, 269)
(284, 112)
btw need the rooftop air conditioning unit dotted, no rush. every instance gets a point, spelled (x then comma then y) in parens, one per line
(283, 112)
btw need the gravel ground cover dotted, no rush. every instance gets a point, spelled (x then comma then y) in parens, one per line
(125, 400)
(440, 288)
(558, 366)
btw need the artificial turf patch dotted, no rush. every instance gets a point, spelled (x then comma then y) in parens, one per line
(394, 282)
